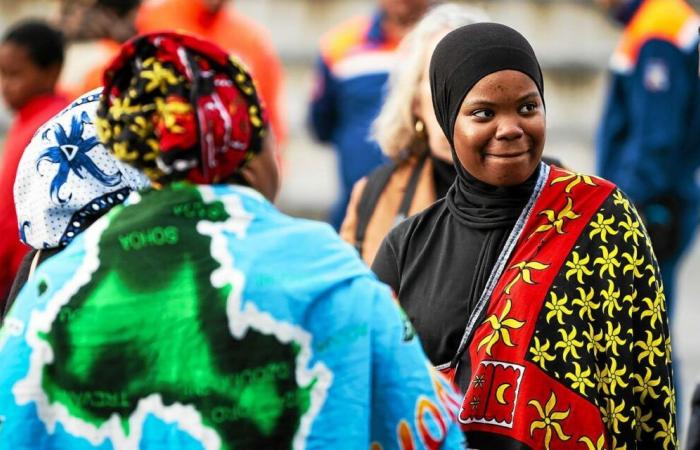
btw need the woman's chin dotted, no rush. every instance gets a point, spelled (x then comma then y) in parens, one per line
(509, 171)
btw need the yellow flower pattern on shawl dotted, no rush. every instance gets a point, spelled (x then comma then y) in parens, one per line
(540, 353)
(573, 179)
(598, 445)
(586, 302)
(581, 379)
(499, 326)
(602, 331)
(632, 229)
(602, 226)
(569, 343)
(525, 269)
(557, 308)
(578, 267)
(549, 420)
(555, 219)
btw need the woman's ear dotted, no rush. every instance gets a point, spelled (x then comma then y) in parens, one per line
(262, 172)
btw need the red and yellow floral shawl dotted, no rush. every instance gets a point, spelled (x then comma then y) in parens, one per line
(574, 352)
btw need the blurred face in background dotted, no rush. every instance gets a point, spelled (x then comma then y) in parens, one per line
(404, 12)
(101, 19)
(500, 129)
(423, 108)
(20, 78)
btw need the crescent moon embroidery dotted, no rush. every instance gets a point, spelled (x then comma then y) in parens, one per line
(500, 391)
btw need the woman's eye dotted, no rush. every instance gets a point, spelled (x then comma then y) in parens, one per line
(528, 108)
(483, 113)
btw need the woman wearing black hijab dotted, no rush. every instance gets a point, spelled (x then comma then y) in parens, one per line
(534, 288)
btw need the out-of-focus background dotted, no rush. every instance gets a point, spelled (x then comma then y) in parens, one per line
(572, 38)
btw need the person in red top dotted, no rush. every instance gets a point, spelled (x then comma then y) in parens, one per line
(31, 58)
(217, 22)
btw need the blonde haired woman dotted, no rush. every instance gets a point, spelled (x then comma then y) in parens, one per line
(421, 168)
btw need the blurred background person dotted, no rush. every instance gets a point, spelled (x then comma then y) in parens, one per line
(354, 64)
(105, 24)
(220, 22)
(649, 137)
(31, 58)
(421, 169)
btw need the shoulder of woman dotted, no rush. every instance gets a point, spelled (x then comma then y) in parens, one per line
(568, 176)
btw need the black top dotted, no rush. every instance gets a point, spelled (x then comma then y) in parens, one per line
(438, 262)
(444, 174)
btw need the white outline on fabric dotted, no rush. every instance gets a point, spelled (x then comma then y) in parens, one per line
(503, 423)
(504, 256)
(186, 417)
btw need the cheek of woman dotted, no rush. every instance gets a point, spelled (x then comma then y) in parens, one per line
(499, 132)
(499, 152)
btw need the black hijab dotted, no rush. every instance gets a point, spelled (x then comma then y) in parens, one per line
(469, 53)
(462, 58)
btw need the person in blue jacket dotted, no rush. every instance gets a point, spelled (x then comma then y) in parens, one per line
(355, 59)
(199, 316)
(649, 137)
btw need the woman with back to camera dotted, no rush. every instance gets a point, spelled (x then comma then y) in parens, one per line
(421, 169)
(535, 288)
(198, 316)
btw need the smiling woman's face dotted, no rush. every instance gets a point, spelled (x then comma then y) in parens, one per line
(500, 129)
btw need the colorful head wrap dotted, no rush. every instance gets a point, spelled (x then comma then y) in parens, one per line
(66, 179)
(178, 107)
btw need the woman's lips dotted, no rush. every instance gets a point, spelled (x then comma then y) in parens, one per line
(506, 155)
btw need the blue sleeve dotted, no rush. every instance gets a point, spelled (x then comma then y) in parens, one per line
(658, 107)
(323, 109)
(412, 405)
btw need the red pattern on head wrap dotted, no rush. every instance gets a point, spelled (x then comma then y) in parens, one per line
(178, 107)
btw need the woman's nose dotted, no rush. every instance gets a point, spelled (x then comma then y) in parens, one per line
(509, 129)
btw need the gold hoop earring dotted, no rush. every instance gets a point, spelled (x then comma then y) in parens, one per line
(420, 127)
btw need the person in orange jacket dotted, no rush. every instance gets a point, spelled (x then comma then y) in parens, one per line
(236, 33)
(31, 58)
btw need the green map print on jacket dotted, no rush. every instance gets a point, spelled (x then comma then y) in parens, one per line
(152, 335)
